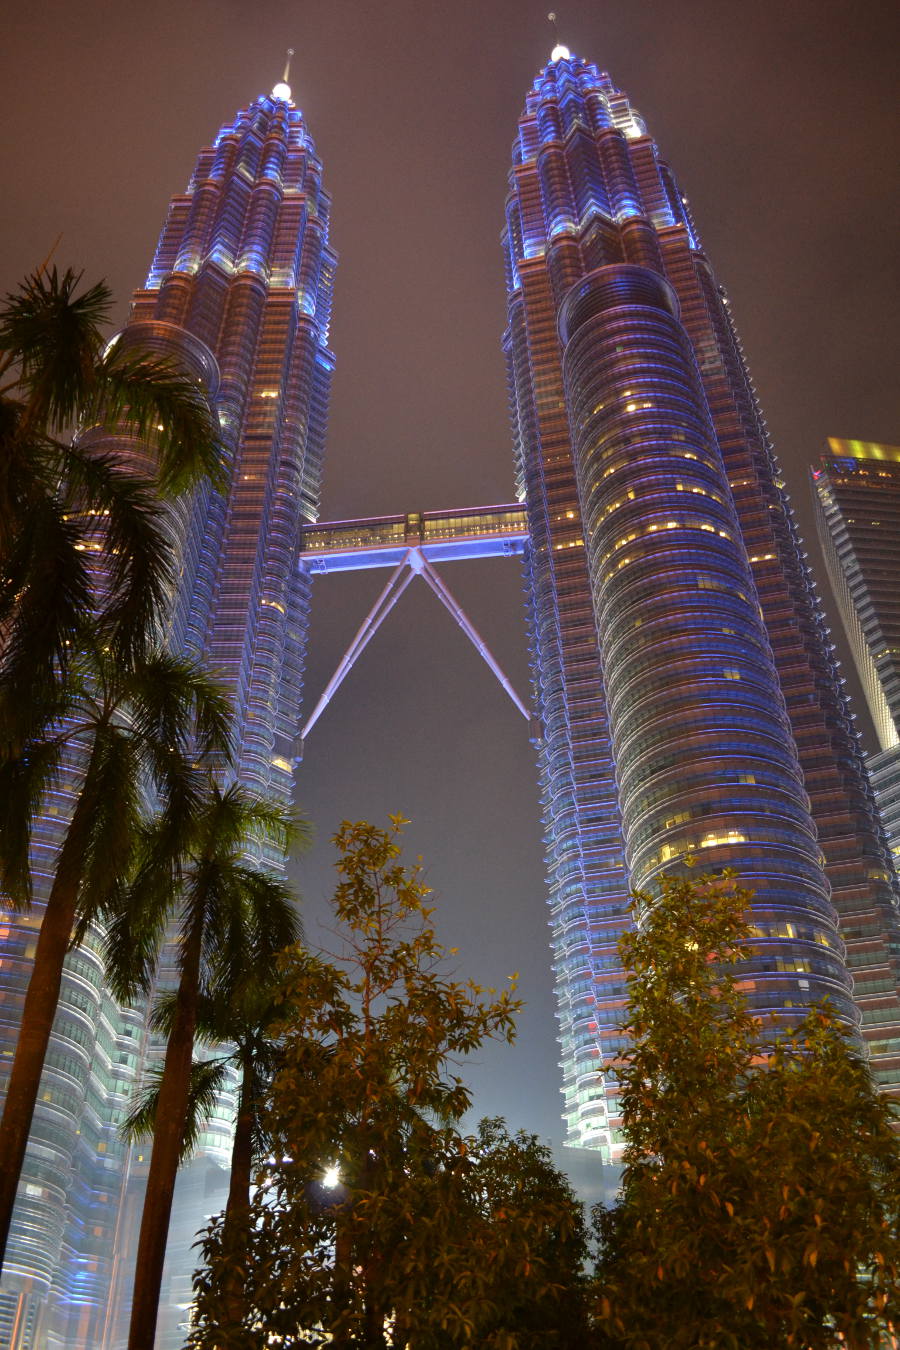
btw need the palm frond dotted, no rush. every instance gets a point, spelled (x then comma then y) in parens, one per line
(216, 1024)
(274, 920)
(165, 1011)
(27, 471)
(45, 597)
(54, 335)
(193, 871)
(181, 789)
(121, 518)
(214, 716)
(131, 946)
(242, 1011)
(239, 816)
(261, 1076)
(138, 1123)
(175, 702)
(110, 853)
(258, 919)
(24, 782)
(134, 933)
(161, 405)
(208, 1077)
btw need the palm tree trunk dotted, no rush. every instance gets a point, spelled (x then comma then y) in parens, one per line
(238, 1205)
(40, 1009)
(241, 1152)
(168, 1133)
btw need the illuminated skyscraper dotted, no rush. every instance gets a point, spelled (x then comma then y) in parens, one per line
(856, 491)
(240, 291)
(689, 698)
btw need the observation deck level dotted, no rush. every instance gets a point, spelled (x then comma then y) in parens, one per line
(439, 536)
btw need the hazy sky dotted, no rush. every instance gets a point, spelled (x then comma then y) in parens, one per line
(780, 120)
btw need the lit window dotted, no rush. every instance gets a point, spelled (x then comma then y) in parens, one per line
(723, 837)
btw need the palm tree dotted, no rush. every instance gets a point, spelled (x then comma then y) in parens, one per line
(64, 499)
(233, 916)
(244, 1021)
(131, 733)
(250, 1054)
(238, 1022)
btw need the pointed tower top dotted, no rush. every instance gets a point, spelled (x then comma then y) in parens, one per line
(559, 53)
(282, 90)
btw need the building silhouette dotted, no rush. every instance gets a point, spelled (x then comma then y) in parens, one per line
(240, 293)
(856, 490)
(686, 699)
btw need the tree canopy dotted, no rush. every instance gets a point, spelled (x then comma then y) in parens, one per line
(761, 1187)
(377, 1221)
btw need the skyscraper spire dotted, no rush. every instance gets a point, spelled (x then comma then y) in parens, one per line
(282, 90)
(560, 52)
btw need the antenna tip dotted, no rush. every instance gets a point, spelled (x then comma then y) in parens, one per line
(282, 89)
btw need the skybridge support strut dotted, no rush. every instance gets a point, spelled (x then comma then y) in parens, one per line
(443, 593)
(367, 630)
(411, 564)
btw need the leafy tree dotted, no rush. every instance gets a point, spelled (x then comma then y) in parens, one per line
(761, 1191)
(232, 916)
(62, 497)
(421, 1235)
(123, 730)
(516, 1212)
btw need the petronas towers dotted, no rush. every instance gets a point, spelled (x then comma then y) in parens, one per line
(686, 695)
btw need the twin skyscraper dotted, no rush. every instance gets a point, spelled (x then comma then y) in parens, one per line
(685, 691)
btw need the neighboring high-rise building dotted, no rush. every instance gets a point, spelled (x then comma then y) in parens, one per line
(856, 491)
(689, 698)
(240, 291)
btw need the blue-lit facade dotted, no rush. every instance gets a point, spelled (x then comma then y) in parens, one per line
(244, 265)
(240, 291)
(689, 698)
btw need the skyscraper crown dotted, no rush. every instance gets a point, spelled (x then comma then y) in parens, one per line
(255, 205)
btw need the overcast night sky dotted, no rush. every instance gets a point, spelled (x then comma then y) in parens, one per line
(781, 123)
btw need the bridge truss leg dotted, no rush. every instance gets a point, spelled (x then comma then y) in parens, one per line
(411, 564)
